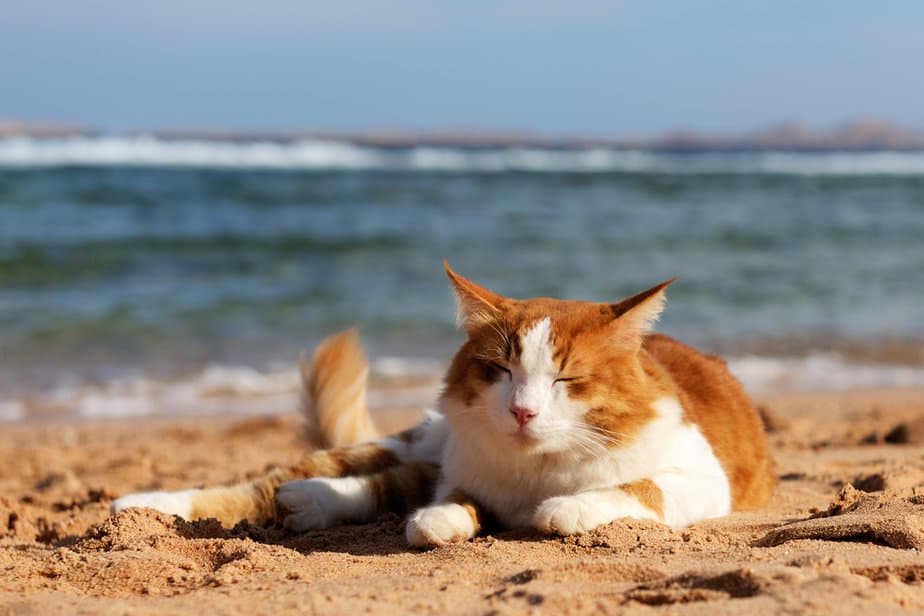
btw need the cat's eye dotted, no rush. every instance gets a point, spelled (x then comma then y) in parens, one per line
(565, 379)
(498, 366)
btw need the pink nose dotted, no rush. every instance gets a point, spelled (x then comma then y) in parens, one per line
(523, 415)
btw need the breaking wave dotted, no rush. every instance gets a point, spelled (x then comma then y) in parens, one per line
(321, 155)
(218, 390)
(820, 372)
(396, 383)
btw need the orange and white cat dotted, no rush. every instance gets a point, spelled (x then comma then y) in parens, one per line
(561, 415)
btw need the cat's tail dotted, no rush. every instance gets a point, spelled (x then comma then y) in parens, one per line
(333, 394)
(334, 402)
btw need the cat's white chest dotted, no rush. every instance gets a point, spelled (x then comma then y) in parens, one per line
(512, 489)
(511, 485)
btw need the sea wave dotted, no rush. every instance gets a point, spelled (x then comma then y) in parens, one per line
(817, 372)
(218, 390)
(396, 383)
(147, 151)
(322, 155)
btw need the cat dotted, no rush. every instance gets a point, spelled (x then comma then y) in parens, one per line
(556, 414)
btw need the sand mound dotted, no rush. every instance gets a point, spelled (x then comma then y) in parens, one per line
(883, 519)
(907, 432)
(698, 587)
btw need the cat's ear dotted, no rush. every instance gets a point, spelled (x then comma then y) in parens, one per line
(635, 316)
(476, 305)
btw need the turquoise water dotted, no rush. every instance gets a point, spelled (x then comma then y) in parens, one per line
(110, 270)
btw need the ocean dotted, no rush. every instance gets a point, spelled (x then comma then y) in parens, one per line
(144, 276)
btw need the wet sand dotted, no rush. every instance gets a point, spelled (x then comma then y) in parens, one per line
(844, 532)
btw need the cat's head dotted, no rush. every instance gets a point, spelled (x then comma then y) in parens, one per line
(544, 376)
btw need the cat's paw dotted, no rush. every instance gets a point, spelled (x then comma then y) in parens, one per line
(440, 524)
(321, 502)
(174, 503)
(567, 515)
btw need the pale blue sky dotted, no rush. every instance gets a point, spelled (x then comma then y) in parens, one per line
(551, 67)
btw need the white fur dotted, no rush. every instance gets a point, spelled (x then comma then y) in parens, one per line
(692, 480)
(514, 483)
(174, 503)
(536, 352)
(439, 524)
(533, 377)
(573, 515)
(531, 385)
(429, 448)
(323, 502)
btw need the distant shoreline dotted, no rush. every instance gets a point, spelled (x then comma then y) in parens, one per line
(858, 136)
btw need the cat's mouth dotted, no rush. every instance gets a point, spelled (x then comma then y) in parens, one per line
(524, 438)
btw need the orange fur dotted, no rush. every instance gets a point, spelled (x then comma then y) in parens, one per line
(647, 493)
(471, 507)
(403, 488)
(716, 402)
(615, 388)
(621, 370)
(333, 396)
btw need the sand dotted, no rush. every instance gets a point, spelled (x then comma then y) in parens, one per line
(843, 534)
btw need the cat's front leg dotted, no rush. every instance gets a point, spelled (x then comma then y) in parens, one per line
(455, 518)
(575, 514)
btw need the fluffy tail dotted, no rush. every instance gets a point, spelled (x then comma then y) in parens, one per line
(333, 398)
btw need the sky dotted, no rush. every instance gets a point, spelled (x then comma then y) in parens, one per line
(551, 67)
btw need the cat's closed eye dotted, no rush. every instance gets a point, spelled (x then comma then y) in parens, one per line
(500, 367)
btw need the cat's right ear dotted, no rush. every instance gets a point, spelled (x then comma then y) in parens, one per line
(476, 305)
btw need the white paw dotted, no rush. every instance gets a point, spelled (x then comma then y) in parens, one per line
(439, 525)
(567, 515)
(322, 502)
(174, 503)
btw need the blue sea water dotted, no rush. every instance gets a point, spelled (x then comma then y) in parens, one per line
(123, 263)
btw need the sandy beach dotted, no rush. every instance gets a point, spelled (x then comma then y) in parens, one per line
(844, 531)
(194, 197)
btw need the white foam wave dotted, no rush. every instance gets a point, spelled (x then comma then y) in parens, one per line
(217, 390)
(389, 367)
(314, 154)
(12, 410)
(146, 151)
(819, 373)
(397, 383)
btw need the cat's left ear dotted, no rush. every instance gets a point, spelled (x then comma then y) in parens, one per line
(476, 304)
(634, 317)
